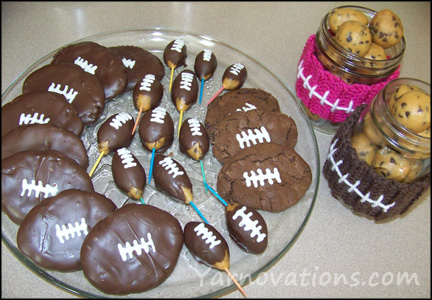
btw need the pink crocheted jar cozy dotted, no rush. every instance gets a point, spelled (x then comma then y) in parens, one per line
(325, 94)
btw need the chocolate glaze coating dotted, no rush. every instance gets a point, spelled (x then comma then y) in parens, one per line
(175, 53)
(40, 107)
(115, 132)
(193, 139)
(247, 228)
(82, 89)
(171, 178)
(52, 233)
(44, 137)
(128, 173)
(132, 250)
(184, 91)
(29, 177)
(234, 76)
(90, 55)
(205, 64)
(207, 245)
(156, 129)
(138, 62)
(147, 93)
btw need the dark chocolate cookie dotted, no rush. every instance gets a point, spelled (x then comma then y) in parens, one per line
(240, 131)
(269, 177)
(243, 99)
(52, 233)
(132, 250)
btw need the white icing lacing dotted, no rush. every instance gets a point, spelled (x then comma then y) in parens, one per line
(194, 126)
(127, 158)
(323, 99)
(47, 190)
(207, 235)
(128, 249)
(353, 187)
(258, 178)
(70, 96)
(147, 82)
(207, 55)
(177, 45)
(186, 81)
(236, 68)
(247, 107)
(120, 119)
(29, 119)
(168, 164)
(158, 115)
(248, 225)
(84, 64)
(128, 63)
(260, 135)
(69, 230)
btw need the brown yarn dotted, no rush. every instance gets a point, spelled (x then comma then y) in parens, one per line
(396, 197)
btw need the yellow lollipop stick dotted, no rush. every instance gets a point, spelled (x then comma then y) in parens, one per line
(171, 77)
(180, 123)
(236, 283)
(96, 163)
(137, 120)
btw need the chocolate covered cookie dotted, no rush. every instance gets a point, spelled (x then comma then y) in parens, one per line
(138, 62)
(97, 60)
(240, 131)
(30, 177)
(52, 233)
(269, 177)
(243, 99)
(132, 250)
(81, 89)
(40, 107)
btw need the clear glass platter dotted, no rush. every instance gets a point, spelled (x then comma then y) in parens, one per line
(189, 278)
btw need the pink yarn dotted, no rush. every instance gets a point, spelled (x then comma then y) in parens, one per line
(325, 94)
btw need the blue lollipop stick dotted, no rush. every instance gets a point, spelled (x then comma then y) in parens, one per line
(151, 164)
(216, 194)
(203, 175)
(201, 90)
(198, 211)
(142, 200)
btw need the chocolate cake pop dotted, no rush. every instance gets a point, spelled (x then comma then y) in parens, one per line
(205, 66)
(233, 78)
(184, 93)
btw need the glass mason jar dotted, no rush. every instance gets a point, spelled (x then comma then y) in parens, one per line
(394, 145)
(351, 68)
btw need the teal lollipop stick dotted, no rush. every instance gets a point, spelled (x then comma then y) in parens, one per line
(198, 211)
(142, 200)
(216, 194)
(151, 164)
(201, 90)
(203, 175)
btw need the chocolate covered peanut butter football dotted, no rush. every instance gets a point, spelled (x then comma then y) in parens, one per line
(52, 233)
(115, 132)
(234, 76)
(247, 228)
(81, 89)
(97, 60)
(128, 173)
(30, 177)
(194, 140)
(156, 130)
(184, 90)
(171, 178)
(205, 64)
(147, 93)
(40, 107)
(132, 250)
(207, 245)
(175, 53)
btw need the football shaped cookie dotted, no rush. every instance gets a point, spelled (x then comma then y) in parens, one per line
(132, 250)
(269, 177)
(29, 177)
(240, 131)
(52, 233)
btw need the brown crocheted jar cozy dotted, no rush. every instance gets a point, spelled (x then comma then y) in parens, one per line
(356, 184)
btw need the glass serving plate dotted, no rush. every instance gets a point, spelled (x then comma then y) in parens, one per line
(189, 278)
